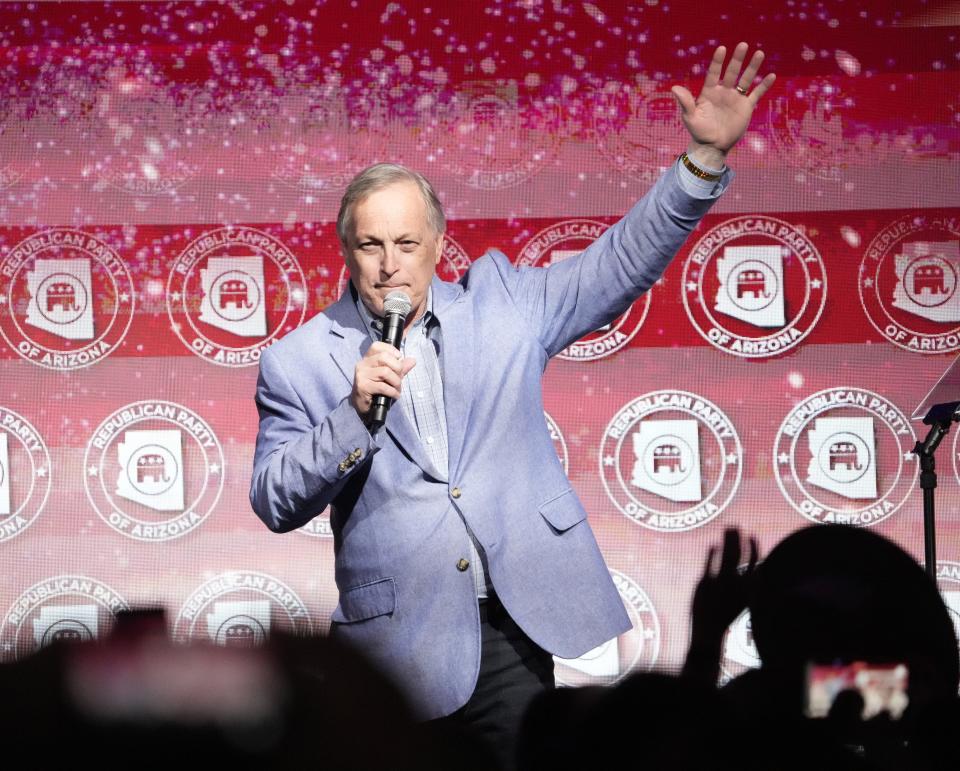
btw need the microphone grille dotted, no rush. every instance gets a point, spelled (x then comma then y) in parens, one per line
(397, 302)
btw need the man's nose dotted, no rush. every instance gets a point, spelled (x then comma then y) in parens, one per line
(389, 264)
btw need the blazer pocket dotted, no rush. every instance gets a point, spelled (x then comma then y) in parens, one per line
(563, 511)
(378, 598)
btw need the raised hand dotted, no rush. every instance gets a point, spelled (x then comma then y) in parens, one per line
(720, 115)
(719, 598)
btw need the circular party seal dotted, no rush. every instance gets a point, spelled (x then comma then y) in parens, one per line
(806, 126)
(454, 262)
(845, 455)
(239, 609)
(25, 478)
(68, 299)
(153, 470)
(754, 286)
(671, 460)
(325, 136)
(233, 292)
(908, 283)
(636, 650)
(566, 239)
(493, 136)
(637, 132)
(66, 608)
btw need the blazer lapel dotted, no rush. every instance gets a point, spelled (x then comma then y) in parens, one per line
(350, 342)
(457, 359)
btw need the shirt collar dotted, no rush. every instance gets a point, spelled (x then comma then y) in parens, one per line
(374, 324)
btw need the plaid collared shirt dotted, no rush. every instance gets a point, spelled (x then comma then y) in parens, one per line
(421, 398)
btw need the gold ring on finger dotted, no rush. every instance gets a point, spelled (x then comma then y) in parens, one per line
(741, 89)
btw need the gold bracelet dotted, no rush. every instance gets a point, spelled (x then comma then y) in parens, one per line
(697, 171)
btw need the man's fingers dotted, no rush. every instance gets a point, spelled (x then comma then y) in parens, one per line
(736, 63)
(685, 99)
(407, 364)
(751, 72)
(761, 89)
(716, 67)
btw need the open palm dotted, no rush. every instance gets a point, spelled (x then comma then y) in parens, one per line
(719, 116)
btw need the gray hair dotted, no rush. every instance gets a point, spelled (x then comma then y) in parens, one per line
(377, 177)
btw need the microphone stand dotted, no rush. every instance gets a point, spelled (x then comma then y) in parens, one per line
(939, 418)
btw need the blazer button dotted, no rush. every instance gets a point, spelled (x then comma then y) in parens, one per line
(462, 564)
(455, 492)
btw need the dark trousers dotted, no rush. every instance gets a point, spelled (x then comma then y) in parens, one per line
(513, 669)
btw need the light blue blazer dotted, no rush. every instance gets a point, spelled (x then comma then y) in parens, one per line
(398, 533)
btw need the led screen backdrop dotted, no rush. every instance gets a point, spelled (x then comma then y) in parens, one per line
(169, 177)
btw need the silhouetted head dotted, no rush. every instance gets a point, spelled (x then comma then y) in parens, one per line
(837, 593)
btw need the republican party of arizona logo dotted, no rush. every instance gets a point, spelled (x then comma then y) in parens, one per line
(636, 129)
(61, 608)
(326, 134)
(153, 470)
(807, 128)
(559, 443)
(633, 651)
(948, 581)
(671, 460)
(142, 141)
(25, 478)
(564, 240)
(239, 609)
(68, 299)
(908, 283)
(754, 286)
(494, 136)
(845, 455)
(454, 262)
(232, 292)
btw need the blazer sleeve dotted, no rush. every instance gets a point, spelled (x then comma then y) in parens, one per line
(299, 468)
(570, 298)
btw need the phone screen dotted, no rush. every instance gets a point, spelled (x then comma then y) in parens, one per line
(881, 686)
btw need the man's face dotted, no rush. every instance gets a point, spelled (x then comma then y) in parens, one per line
(393, 246)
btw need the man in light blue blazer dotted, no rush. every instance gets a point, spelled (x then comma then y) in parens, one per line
(460, 495)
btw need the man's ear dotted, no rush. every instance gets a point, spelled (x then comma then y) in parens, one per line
(439, 249)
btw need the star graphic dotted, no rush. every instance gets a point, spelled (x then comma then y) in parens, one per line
(41, 471)
(648, 634)
(731, 458)
(609, 460)
(783, 458)
(691, 286)
(868, 282)
(175, 296)
(91, 471)
(816, 283)
(909, 456)
(214, 468)
(124, 297)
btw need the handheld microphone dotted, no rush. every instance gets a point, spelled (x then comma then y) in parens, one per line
(396, 308)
